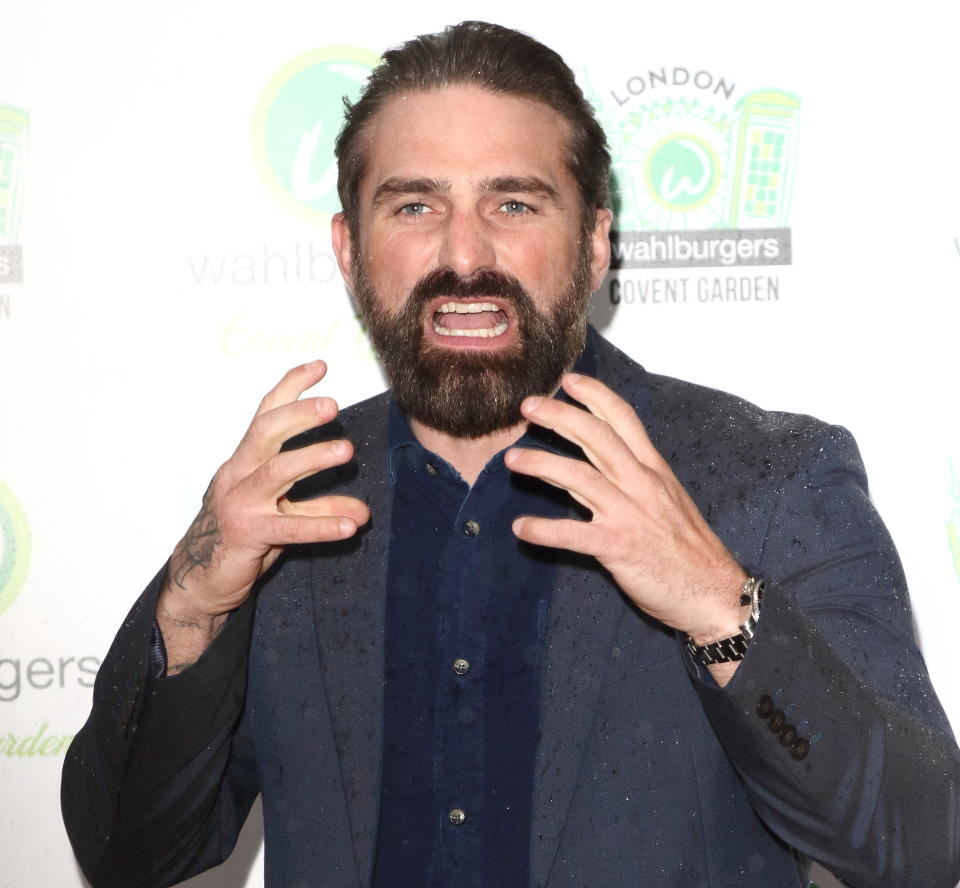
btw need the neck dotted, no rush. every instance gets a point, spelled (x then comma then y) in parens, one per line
(467, 455)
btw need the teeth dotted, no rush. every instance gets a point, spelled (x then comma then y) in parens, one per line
(467, 307)
(483, 332)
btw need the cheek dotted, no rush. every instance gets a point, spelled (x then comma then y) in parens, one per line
(544, 266)
(395, 266)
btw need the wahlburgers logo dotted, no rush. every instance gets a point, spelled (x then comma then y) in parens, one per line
(14, 547)
(682, 172)
(702, 175)
(295, 124)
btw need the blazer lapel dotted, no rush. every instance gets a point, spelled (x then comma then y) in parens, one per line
(585, 611)
(349, 608)
(584, 614)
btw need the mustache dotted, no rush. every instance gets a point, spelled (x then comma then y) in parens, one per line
(489, 282)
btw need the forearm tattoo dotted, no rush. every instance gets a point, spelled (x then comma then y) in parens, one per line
(199, 543)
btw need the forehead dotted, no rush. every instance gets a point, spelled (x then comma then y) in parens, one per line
(465, 134)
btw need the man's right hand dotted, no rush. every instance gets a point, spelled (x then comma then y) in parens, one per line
(245, 520)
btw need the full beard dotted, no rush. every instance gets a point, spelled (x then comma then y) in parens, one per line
(472, 393)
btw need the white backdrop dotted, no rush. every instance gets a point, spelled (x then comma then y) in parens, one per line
(164, 257)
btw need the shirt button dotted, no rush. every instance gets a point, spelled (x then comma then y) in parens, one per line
(431, 468)
(460, 666)
(457, 816)
(471, 528)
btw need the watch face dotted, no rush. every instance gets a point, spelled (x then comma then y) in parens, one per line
(757, 599)
(752, 595)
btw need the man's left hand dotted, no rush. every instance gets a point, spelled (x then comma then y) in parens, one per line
(645, 529)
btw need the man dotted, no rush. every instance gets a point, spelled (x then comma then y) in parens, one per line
(505, 625)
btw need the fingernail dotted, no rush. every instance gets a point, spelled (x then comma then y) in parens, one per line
(347, 527)
(534, 403)
(312, 365)
(573, 377)
(339, 448)
(517, 526)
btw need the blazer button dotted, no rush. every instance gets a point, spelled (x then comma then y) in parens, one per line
(765, 706)
(788, 734)
(777, 720)
(800, 748)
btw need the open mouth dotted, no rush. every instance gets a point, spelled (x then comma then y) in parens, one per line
(470, 319)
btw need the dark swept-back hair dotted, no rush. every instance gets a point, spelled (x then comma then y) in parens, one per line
(495, 58)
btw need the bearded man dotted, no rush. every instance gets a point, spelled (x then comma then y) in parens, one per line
(534, 616)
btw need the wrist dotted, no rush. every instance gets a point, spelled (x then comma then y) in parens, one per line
(727, 613)
(186, 631)
(176, 609)
(732, 648)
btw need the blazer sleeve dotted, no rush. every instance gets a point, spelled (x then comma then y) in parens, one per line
(872, 793)
(157, 783)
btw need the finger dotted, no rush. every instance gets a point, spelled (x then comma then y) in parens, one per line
(608, 406)
(294, 383)
(285, 530)
(323, 506)
(580, 479)
(270, 429)
(598, 440)
(273, 478)
(559, 533)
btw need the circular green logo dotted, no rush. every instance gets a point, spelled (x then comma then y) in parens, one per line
(682, 171)
(296, 122)
(14, 547)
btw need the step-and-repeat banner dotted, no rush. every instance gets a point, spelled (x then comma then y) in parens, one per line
(787, 194)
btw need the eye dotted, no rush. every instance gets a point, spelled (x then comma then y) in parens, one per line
(414, 209)
(514, 208)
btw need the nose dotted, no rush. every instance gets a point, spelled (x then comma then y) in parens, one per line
(466, 247)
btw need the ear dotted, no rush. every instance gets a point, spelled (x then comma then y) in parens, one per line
(343, 247)
(600, 248)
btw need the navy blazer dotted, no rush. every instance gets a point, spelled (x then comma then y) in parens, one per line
(646, 772)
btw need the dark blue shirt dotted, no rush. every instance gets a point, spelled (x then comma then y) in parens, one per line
(466, 618)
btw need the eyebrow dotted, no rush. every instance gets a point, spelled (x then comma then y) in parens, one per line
(522, 185)
(517, 184)
(394, 186)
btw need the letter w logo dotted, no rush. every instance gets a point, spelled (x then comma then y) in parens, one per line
(300, 184)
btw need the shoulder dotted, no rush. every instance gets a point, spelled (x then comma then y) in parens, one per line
(364, 424)
(366, 419)
(703, 429)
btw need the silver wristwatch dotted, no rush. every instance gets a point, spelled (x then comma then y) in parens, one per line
(727, 650)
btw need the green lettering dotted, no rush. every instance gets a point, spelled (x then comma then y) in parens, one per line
(28, 745)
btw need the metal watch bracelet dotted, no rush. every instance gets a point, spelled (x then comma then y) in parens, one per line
(727, 650)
